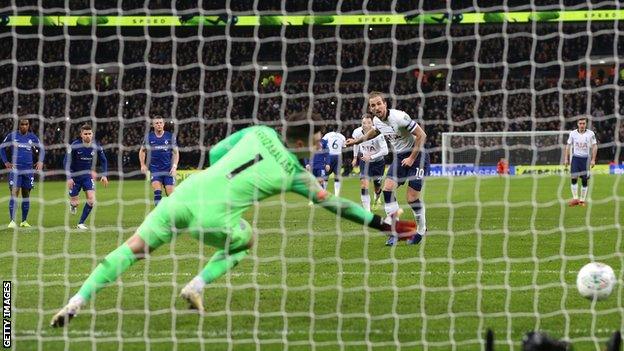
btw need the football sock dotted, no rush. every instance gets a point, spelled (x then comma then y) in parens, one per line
(365, 199)
(25, 208)
(113, 265)
(12, 208)
(336, 187)
(85, 213)
(157, 197)
(377, 183)
(574, 188)
(220, 263)
(418, 208)
(583, 193)
(391, 205)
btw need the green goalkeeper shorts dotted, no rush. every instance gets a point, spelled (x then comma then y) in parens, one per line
(171, 216)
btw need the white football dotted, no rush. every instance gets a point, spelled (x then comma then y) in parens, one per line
(595, 281)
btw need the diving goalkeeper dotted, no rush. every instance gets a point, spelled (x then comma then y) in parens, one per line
(250, 165)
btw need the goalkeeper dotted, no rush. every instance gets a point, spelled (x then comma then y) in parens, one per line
(250, 165)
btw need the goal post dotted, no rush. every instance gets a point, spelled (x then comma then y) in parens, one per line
(487, 148)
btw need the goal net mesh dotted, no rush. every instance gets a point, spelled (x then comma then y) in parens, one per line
(500, 253)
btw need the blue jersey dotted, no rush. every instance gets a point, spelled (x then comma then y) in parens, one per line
(319, 160)
(21, 146)
(79, 158)
(160, 151)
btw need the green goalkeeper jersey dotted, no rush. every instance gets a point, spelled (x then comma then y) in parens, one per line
(247, 167)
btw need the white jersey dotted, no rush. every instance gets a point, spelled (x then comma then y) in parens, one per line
(377, 148)
(397, 129)
(581, 143)
(335, 142)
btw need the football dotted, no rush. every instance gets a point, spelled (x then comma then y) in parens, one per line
(595, 281)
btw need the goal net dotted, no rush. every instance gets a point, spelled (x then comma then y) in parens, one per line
(485, 80)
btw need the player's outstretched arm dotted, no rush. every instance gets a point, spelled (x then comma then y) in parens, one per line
(305, 185)
(371, 134)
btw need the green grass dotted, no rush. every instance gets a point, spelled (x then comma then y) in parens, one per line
(501, 253)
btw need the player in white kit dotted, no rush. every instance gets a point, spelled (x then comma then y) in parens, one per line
(581, 140)
(335, 142)
(410, 164)
(370, 156)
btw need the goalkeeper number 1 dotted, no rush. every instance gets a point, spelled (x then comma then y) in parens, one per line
(250, 165)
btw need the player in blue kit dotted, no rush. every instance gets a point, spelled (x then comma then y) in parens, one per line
(79, 162)
(20, 166)
(318, 166)
(163, 159)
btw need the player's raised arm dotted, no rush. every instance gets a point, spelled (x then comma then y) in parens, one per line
(371, 134)
(220, 149)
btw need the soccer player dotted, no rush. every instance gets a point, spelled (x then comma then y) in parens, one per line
(79, 162)
(164, 156)
(410, 164)
(370, 156)
(581, 140)
(248, 166)
(335, 142)
(502, 167)
(20, 166)
(318, 165)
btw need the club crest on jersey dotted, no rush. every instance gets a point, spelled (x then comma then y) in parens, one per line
(30, 141)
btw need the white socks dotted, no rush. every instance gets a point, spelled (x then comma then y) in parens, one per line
(574, 188)
(336, 188)
(366, 201)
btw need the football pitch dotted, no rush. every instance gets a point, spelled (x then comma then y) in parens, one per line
(501, 253)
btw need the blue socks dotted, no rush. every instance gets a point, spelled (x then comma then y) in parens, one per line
(85, 213)
(12, 208)
(157, 197)
(25, 208)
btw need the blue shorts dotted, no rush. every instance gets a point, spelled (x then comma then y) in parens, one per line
(22, 179)
(414, 175)
(163, 177)
(334, 164)
(319, 172)
(372, 170)
(83, 182)
(579, 166)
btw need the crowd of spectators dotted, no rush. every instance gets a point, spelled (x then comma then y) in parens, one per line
(448, 78)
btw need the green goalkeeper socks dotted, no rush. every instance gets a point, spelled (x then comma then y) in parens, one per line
(107, 271)
(220, 263)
